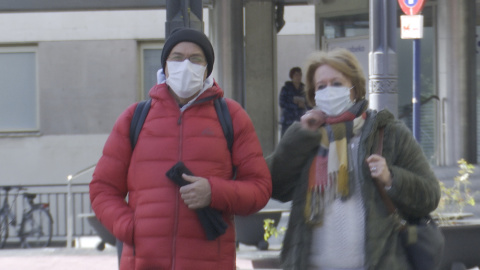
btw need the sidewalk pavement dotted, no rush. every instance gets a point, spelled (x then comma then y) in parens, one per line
(59, 258)
(89, 258)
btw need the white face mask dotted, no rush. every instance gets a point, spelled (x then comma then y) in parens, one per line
(185, 78)
(333, 100)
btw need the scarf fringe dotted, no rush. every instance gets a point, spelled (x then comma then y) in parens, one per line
(316, 201)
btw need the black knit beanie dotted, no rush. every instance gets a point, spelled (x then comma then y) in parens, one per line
(189, 35)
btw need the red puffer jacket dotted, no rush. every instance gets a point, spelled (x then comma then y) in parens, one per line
(158, 230)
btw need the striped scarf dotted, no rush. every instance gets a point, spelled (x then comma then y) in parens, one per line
(331, 172)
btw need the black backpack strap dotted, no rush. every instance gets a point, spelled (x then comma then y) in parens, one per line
(225, 120)
(138, 119)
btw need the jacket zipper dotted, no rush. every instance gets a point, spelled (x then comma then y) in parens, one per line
(174, 240)
(177, 194)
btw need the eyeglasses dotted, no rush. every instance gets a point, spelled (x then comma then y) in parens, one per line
(195, 59)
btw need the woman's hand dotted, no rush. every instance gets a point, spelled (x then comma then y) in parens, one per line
(313, 119)
(379, 169)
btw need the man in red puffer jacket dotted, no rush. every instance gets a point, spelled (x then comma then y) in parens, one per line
(159, 223)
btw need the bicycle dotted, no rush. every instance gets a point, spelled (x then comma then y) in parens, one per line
(36, 225)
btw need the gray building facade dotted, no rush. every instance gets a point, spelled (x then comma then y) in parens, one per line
(69, 74)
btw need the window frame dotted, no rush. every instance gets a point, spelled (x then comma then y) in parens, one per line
(146, 46)
(35, 129)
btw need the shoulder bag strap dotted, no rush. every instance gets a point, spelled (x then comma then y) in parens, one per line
(381, 189)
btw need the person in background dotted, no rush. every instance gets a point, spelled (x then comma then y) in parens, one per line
(292, 99)
(159, 223)
(326, 165)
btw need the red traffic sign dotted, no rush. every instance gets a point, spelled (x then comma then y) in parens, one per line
(411, 7)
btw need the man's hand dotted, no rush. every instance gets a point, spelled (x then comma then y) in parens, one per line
(299, 101)
(198, 194)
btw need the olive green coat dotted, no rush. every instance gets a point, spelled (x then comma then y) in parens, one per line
(415, 189)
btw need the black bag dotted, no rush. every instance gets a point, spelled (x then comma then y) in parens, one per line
(424, 243)
(422, 239)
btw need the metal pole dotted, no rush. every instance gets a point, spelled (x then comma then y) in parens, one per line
(183, 13)
(69, 212)
(416, 89)
(70, 204)
(383, 75)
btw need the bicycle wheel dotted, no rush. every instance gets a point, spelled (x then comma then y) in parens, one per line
(3, 230)
(36, 229)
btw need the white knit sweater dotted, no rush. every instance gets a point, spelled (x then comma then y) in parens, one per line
(340, 242)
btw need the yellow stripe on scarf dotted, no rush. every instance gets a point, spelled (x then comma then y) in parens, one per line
(342, 180)
(338, 158)
(324, 142)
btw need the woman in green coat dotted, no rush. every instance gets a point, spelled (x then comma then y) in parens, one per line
(326, 165)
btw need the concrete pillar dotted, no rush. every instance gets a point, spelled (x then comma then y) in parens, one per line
(260, 70)
(383, 75)
(457, 81)
(227, 39)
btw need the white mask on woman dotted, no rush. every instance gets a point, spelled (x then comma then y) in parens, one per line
(185, 78)
(333, 100)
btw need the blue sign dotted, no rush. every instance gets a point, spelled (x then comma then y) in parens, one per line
(410, 3)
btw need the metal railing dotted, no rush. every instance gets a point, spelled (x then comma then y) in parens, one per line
(70, 209)
(64, 206)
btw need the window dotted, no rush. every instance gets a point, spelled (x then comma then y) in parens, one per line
(151, 63)
(18, 90)
(346, 26)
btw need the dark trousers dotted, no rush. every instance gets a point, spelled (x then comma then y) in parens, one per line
(284, 128)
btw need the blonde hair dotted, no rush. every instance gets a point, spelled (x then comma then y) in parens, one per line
(341, 60)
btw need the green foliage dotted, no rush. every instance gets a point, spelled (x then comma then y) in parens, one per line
(271, 229)
(454, 199)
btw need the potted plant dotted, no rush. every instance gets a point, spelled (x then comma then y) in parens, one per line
(250, 229)
(454, 199)
(461, 235)
(270, 228)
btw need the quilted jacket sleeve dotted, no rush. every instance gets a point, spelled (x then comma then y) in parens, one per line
(288, 160)
(108, 187)
(415, 190)
(252, 187)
